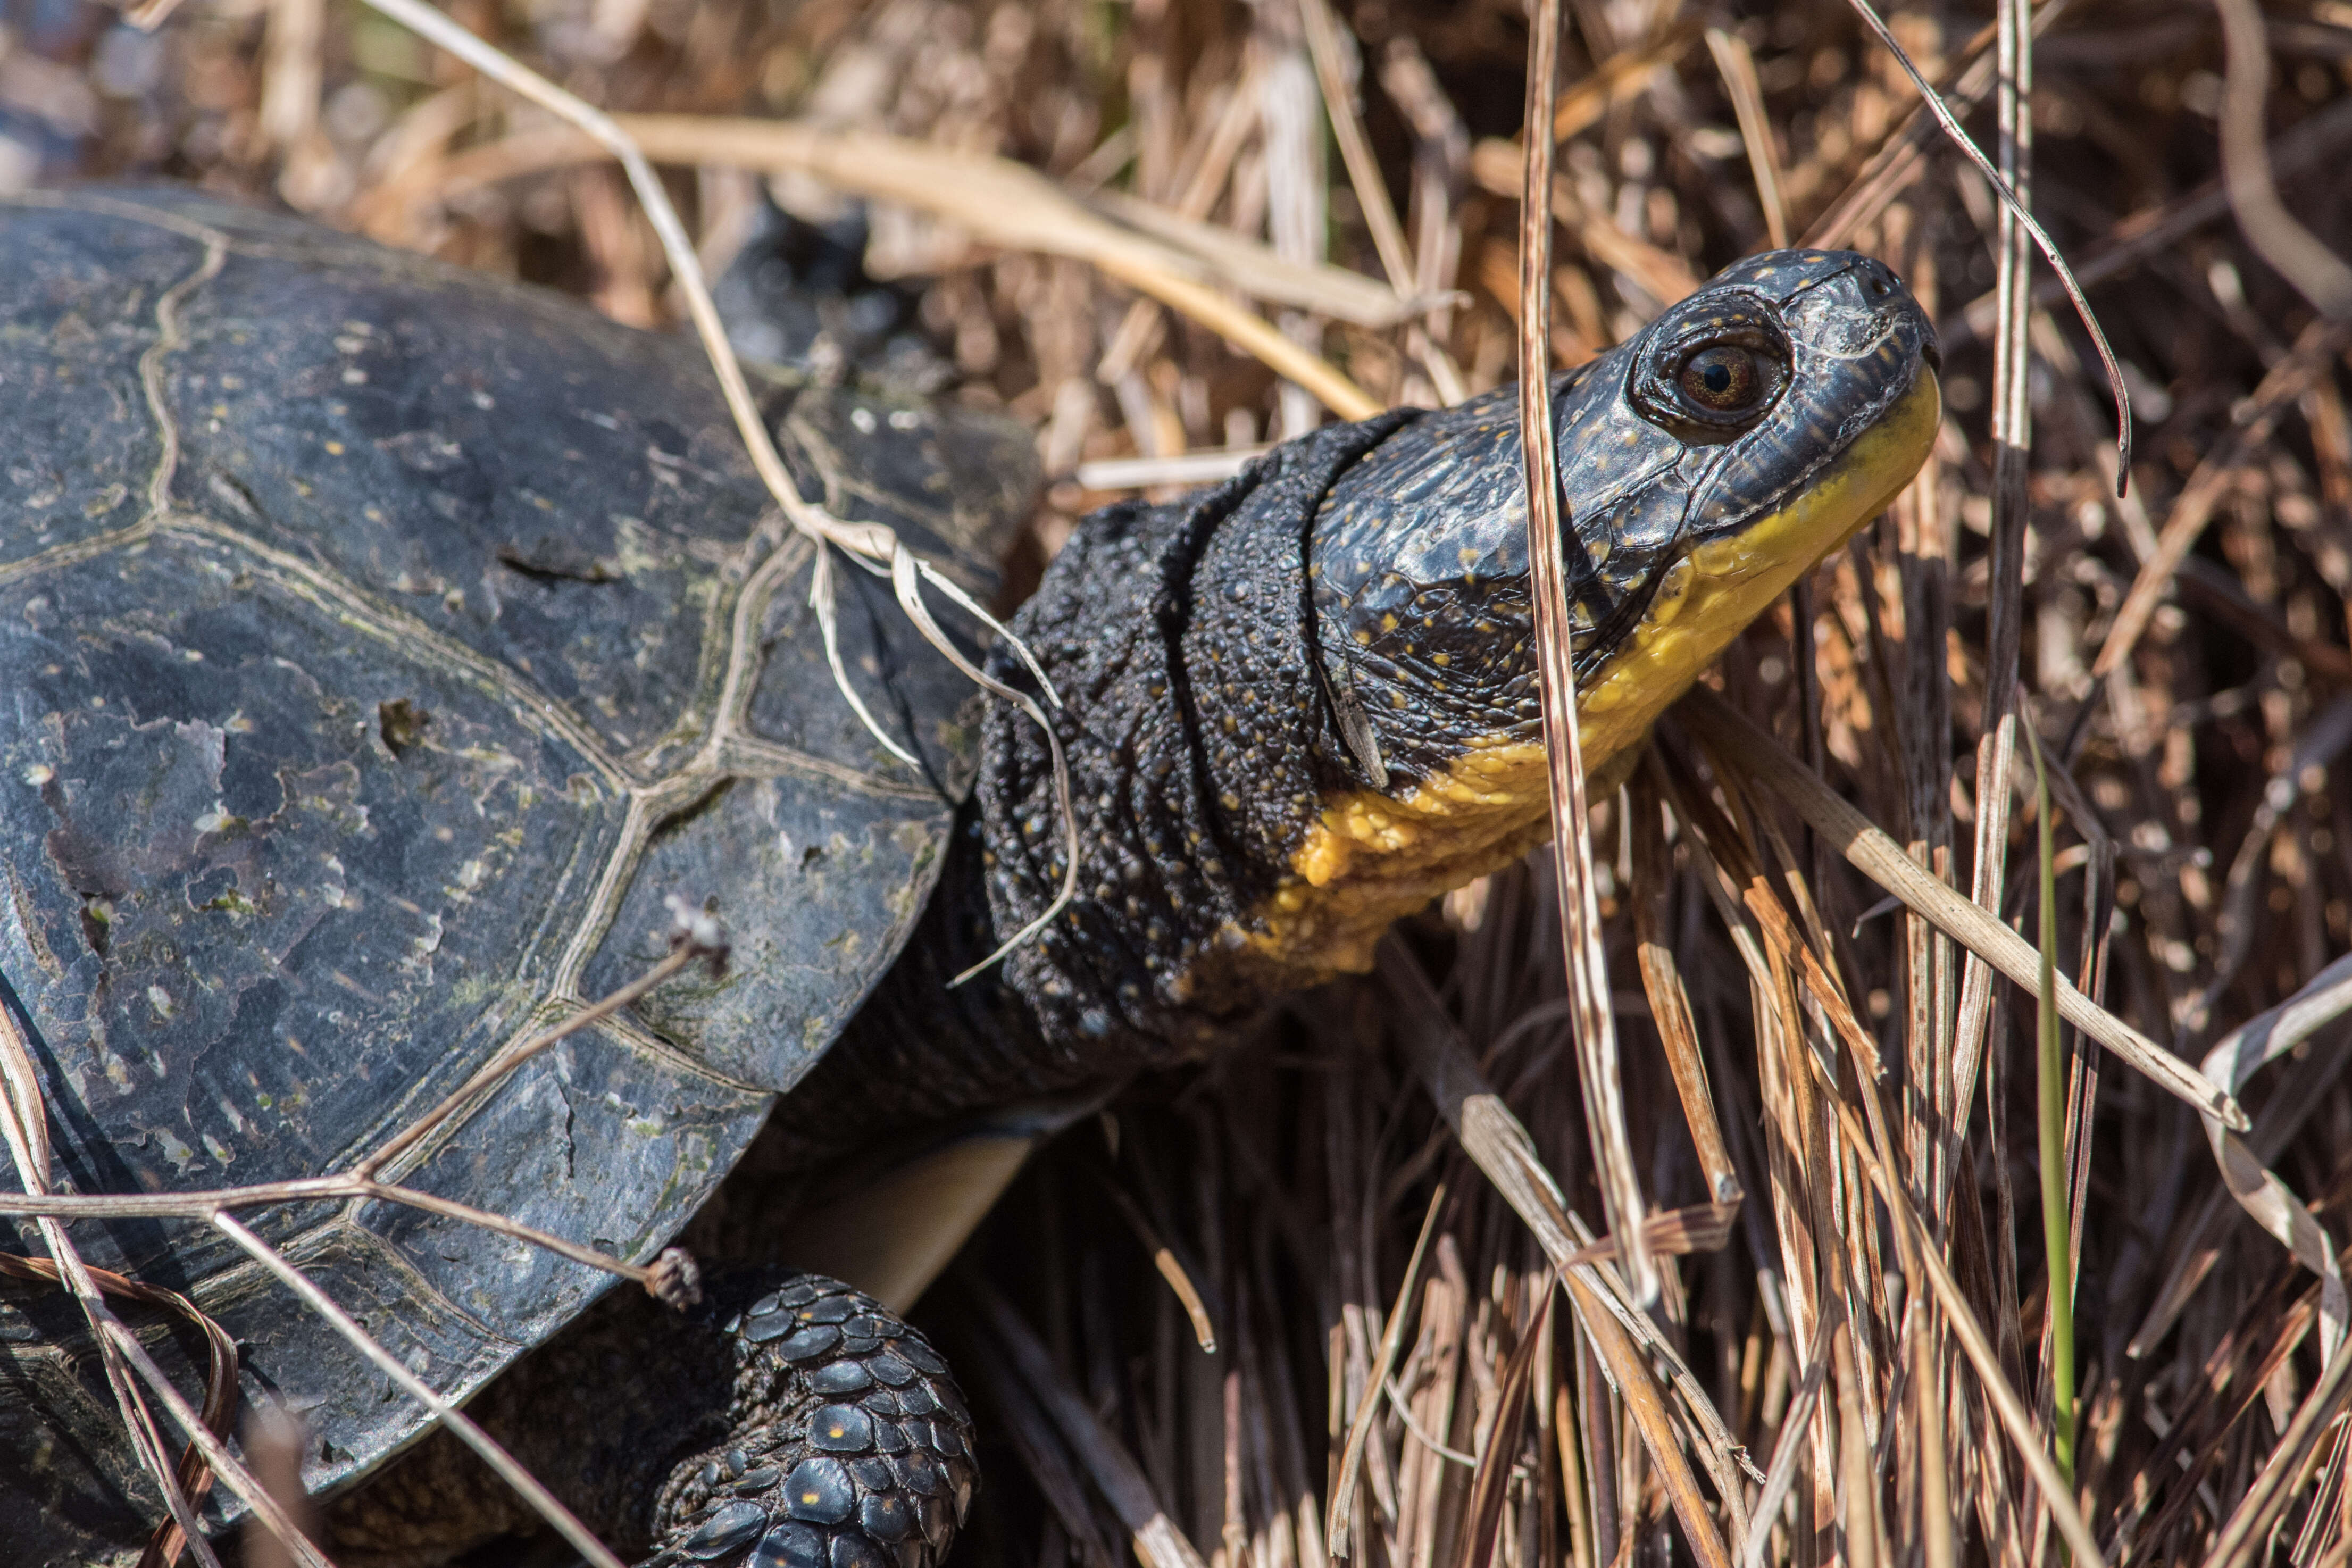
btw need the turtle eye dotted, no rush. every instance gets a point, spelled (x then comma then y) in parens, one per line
(1710, 371)
(1722, 380)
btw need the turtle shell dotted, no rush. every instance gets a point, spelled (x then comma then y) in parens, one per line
(380, 645)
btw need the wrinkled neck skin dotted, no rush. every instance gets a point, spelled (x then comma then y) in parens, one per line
(1201, 744)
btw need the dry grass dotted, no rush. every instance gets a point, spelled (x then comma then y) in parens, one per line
(2181, 654)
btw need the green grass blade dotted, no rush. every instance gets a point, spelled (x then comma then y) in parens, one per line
(2056, 1240)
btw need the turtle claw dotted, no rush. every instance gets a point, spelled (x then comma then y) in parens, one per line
(849, 1445)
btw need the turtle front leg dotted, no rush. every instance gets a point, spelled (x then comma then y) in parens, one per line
(847, 1444)
(786, 1420)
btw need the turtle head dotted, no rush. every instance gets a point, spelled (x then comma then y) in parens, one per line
(1704, 466)
(1305, 703)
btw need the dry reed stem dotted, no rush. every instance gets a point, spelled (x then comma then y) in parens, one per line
(1506, 1430)
(1344, 1485)
(2023, 1432)
(1548, 536)
(2010, 427)
(1498, 1143)
(2288, 381)
(1879, 858)
(1005, 204)
(24, 1123)
(2319, 272)
(1738, 68)
(1158, 1544)
(526, 1485)
(1662, 982)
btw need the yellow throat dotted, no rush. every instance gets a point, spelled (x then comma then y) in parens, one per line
(1368, 857)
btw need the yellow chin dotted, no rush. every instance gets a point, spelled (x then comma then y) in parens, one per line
(1368, 858)
(1710, 595)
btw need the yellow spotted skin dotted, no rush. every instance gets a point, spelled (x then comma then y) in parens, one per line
(1369, 858)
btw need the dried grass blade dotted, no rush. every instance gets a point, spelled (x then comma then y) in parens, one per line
(2011, 1410)
(825, 601)
(1732, 855)
(1498, 1144)
(200, 1205)
(2302, 1091)
(1011, 205)
(529, 1486)
(1213, 254)
(233, 1474)
(2259, 1191)
(1333, 72)
(1857, 1498)
(220, 1377)
(1635, 1384)
(1167, 1264)
(2305, 364)
(1359, 1426)
(1737, 67)
(1588, 970)
(2013, 436)
(24, 1124)
(1490, 1480)
(1678, 1233)
(906, 578)
(196, 1475)
(1788, 1452)
(1662, 982)
(2048, 247)
(2318, 274)
(1158, 1543)
(507, 1061)
(2245, 1538)
(1880, 858)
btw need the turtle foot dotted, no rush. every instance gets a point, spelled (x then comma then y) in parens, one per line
(848, 1444)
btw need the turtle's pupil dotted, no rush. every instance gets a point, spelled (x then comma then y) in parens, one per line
(1722, 380)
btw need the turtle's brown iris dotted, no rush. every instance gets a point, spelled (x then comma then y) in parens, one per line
(1723, 379)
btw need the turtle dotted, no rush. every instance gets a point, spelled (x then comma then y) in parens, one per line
(383, 644)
